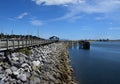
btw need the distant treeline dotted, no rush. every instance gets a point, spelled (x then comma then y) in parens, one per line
(103, 40)
(13, 36)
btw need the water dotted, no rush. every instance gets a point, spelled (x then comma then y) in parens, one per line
(99, 65)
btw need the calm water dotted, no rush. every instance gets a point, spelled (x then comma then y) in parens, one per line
(99, 65)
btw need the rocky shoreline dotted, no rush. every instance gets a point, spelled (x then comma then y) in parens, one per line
(47, 64)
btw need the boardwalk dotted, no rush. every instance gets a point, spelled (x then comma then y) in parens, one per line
(8, 44)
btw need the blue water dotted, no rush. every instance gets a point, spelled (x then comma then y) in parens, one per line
(99, 65)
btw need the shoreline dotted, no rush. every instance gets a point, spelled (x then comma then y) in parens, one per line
(49, 64)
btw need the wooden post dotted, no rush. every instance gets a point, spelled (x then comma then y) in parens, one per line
(22, 43)
(35, 42)
(13, 44)
(31, 42)
(0, 43)
(7, 43)
(26, 43)
(39, 42)
(18, 43)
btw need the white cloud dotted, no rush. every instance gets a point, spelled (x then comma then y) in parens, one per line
(114, 28)
(99, 18)
(21, 16)
(56, 2)
(36, 22)
(77, 7)
(96, 6)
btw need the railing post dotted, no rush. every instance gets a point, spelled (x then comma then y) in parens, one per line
(39, 42)
(0, 43)
(7, 43)
(18, 43)
(22, 43)
(35, 42)
(31, 42)
(26, 42)
(13, 44)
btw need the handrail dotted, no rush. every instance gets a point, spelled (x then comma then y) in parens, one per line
(6, 44)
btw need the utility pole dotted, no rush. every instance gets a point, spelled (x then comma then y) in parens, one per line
(12, 32)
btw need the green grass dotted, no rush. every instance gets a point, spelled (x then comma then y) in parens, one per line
(25, 51)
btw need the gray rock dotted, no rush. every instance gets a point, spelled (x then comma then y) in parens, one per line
(22, 59)
(35, 80)
(34, 73)
(40, 59)
(2, 82)
(8, 71)
(13, 68)
(19, 82)
(22, 77)
(15, 58)
(50, 76)
(12, 81)
(28, 74)
(23, 55)
(24, 65)
(1, 69)
(16, 73)
(36, 63)
(2, 76)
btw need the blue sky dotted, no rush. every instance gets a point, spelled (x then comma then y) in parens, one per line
(67, 19)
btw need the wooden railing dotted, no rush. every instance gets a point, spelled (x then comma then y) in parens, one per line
(6, 44)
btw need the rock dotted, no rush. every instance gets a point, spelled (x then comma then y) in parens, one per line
(14, 54)
(36, 63)
(28, 74)
(16, 73)
(5, 65)
(12, 81)
(8, 71)
(24, 65)
(15, 58)
(22, 59)
(1, 69)
(34, 73)
(19, 71)
(19, 82)
(40, 58)
(23, 55)
(42, 66)
(50, 76)
(36, 80)
(22, 77)
(2, 76)
(13, 68)
(2, 57)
